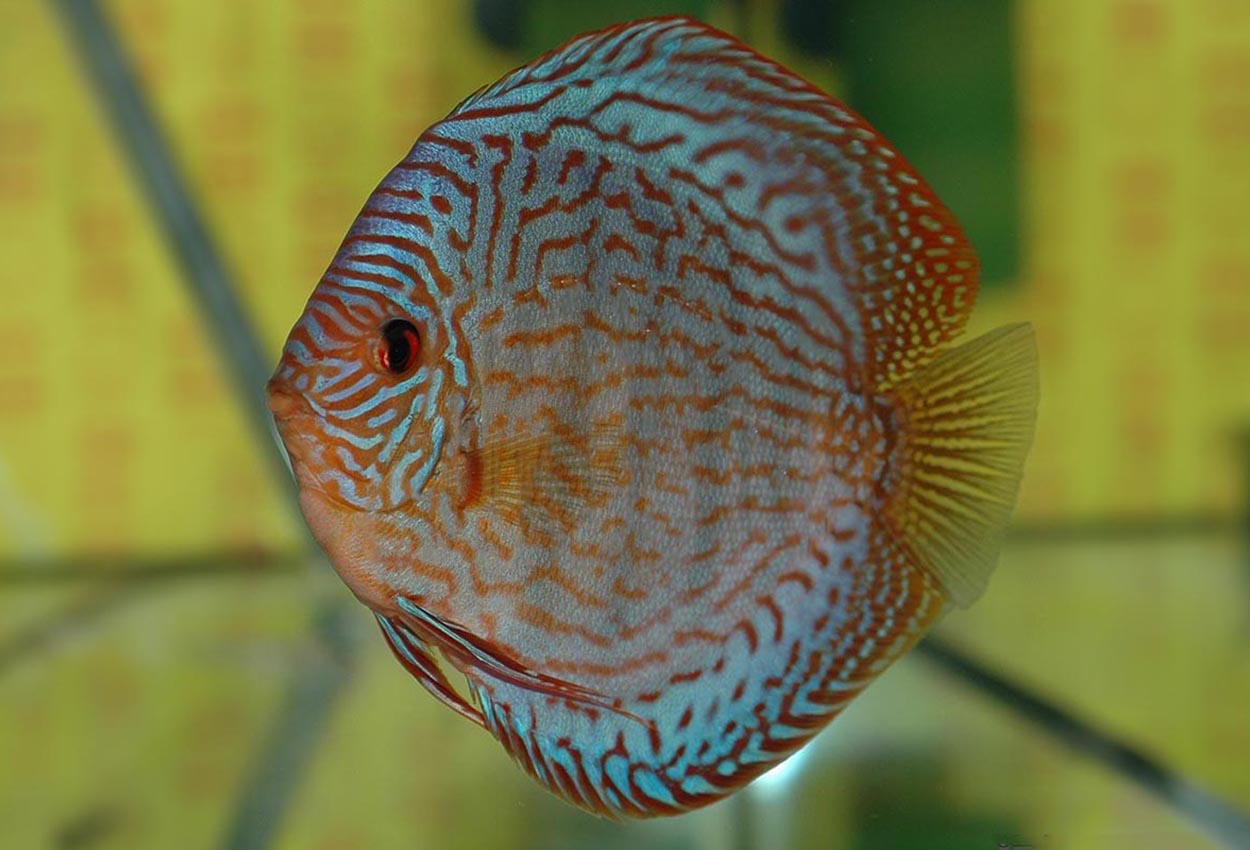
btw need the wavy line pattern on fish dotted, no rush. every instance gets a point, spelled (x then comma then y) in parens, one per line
(628, 393)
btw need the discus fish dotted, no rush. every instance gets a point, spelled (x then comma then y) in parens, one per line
(630, 397)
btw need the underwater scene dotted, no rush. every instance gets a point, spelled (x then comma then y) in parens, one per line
(700, 425)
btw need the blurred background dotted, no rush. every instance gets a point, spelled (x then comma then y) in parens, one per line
(178, 670)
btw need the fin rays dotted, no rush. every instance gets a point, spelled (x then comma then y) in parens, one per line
(966, 426)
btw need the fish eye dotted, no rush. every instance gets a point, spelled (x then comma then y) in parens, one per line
(397, 346)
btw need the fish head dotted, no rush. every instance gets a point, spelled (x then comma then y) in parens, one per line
(369, 388)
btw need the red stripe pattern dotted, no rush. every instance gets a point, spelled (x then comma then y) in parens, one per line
(632, 488)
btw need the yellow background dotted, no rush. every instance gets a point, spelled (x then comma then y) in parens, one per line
(120, 436)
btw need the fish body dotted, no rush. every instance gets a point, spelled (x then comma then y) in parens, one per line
(629, 394)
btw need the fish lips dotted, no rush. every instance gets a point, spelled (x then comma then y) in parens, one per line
(296, 424)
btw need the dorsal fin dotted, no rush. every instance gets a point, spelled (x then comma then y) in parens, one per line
(617, 50)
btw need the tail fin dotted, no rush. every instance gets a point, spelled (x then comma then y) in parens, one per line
(965, 423)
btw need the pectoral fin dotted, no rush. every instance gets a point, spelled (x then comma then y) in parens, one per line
(543, 481)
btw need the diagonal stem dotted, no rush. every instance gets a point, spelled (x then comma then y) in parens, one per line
(1217, 817)
(283, 758)
(203, 269)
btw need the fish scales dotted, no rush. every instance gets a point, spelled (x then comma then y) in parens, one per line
(639, 484)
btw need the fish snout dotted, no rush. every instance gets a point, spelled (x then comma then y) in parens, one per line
(284, 402)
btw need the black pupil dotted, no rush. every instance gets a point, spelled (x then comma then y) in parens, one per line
(398, 336)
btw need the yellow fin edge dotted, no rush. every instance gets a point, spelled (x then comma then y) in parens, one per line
(964, 427)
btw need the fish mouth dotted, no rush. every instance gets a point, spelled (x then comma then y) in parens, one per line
(291, 417)
(298, 427)
(285, 403)
(294, 420)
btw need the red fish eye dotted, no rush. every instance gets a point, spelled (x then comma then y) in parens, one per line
(397, 349)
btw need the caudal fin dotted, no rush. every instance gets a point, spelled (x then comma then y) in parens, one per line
(965, 423)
